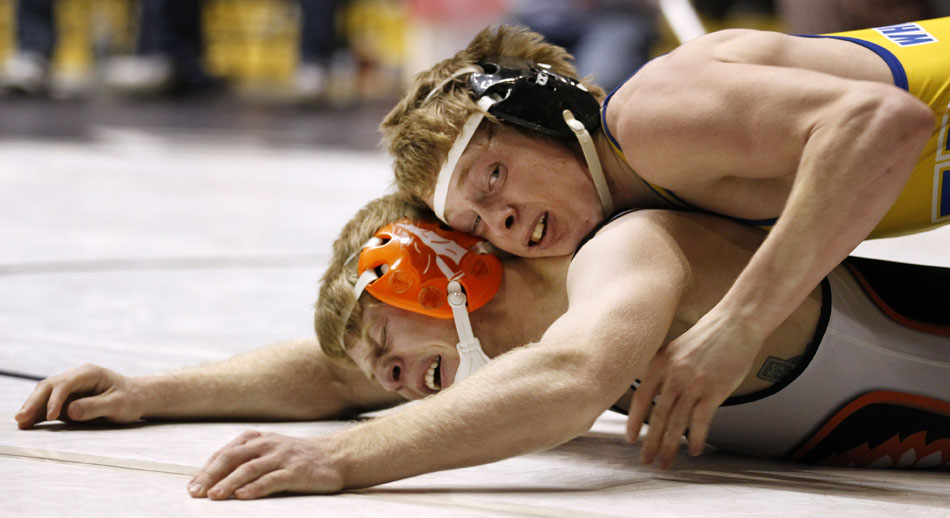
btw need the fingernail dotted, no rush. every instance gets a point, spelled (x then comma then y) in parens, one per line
(194, 488)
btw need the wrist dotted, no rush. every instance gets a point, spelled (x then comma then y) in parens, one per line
(148, 394)
(743, 320)
(347, 463)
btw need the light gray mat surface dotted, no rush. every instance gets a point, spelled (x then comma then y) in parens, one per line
(145, 252)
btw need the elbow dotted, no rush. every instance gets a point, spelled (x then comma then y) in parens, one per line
(896, 124)
(910, 116)
(911, 124)
(590, 383)
(911, 120)
(579, 391)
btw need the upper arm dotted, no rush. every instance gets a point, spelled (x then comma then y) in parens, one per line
(624, 287)
(741, 103)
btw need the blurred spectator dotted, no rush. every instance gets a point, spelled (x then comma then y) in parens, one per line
(610, 39)
(168, 54)
(721, 11)
(321, 44)
(822, 16)
(167, 60)
(27, 70)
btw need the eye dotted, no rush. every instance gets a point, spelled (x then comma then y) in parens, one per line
(493, 178)
(475, 223)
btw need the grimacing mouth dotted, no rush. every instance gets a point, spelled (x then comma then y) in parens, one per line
(433, 376)
(540, 228)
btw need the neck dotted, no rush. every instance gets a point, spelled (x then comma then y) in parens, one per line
(627, 189)
(534, 283)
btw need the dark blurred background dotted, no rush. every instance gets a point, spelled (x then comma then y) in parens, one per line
(300, 72)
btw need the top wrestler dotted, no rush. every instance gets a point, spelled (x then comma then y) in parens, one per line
(836, 134)
(677, 265)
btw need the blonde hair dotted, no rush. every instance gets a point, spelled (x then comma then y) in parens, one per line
(420, 130)
(337, 328)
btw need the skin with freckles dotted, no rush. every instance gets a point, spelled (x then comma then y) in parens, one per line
(404, 345)
(583, 352)
(291, 380)
(591, 326)
(710, 122)
(503, 189)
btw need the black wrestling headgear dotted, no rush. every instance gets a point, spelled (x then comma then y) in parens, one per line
(530, 95)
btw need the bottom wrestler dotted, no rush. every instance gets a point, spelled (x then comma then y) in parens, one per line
(816, 392)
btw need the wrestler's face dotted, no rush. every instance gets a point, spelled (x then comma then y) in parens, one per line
(403, 347)
(530, 196)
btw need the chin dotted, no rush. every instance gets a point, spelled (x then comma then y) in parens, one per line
(535, 252)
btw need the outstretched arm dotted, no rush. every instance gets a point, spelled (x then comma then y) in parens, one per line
(289, 380)
(779, 131)
(622, 299)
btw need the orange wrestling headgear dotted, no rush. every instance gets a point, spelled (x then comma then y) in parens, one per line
(413, 264)
(424, 268)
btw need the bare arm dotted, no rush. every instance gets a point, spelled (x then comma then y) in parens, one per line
(289, 380)
(623, 297)
(770, 131)
(778, 134)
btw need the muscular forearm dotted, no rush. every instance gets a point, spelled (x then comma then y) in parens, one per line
(850, 174)
(289, 380)
(530, 399)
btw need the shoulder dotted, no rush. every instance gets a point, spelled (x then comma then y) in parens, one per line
(725, 46)
(676, 247)
(641, 230)
(644, 242)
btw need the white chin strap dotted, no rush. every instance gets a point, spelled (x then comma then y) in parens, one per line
(455, 153)
(441, 193)
(593, 161)
(471, 355)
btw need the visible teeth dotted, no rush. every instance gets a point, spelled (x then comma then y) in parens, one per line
(431, 382)
(539, 230)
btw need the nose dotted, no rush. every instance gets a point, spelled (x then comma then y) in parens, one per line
(504, 218)
(391, 374)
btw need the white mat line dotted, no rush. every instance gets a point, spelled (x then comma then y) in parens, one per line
(96, 460)
(441, 499)
(447, 499)
(165, 263)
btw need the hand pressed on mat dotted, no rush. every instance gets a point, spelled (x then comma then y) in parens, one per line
(82, 394)
(257, 464)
